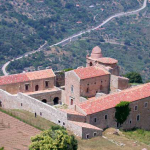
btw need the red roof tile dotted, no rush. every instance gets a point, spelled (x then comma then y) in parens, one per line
(70, 111)
(107, 60)
(24, 77)
(43, 74)
(13, 79)
(85, 125)
(109, 101)
(90, 72)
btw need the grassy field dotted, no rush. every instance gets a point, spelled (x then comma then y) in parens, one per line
(111, 142)
(139, 135)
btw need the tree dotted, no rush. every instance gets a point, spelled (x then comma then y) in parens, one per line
(55, 138)
(1, 148)
(134, 77)
(122, 112)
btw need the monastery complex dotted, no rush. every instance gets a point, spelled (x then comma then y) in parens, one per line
(82, 100)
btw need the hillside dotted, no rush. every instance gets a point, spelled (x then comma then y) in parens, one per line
(25, 25)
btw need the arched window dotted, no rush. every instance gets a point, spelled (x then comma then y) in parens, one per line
(44, 101)
(36, 87)
(71, 101)
(56, 100)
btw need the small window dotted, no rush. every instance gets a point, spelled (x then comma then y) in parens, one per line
(46, 84)
(21, 104)
(95, 82)
(95, 119)
(94, 134)
(87, 90)
(72, 88)
(138, 117)
(26, 87)
(87, 136)
(63, 124)
(136, 108)
(87, 84)
(101, 81)
(58, 121)
(145, 104)
(40, 114)
(130, 121)
(106, 117)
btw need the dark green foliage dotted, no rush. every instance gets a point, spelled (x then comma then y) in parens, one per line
(134, 77)
(2, 148)
(122, 112)
(55, 138)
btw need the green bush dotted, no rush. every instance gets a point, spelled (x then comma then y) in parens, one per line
(55, 138)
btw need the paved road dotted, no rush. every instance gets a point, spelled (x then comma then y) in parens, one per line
(79, 34)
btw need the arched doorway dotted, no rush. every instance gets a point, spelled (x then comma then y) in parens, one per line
(91, 64)
(36, 87)
(44, 101)
(56, 100)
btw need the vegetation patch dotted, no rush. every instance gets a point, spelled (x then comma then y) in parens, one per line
(122, 112)
(55, 138)
(139, 135)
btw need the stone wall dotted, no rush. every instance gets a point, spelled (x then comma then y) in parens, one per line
(118, 82)
(131, 121)
(20, 87)
(72, 88)
(89, 87)
(24, 102)
(60, 78)
(48, 96)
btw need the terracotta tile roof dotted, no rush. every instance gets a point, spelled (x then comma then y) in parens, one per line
(69, 111)
(85, 125)
(24, 77)
(40, 74)
(90, 72)
(109, 101)
(107, 60)
(13, 79)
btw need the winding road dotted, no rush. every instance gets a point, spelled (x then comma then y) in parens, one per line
(77, 35)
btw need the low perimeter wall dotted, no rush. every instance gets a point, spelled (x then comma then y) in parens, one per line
(25, 102)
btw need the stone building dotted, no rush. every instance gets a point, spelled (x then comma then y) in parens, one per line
(87, 93)
(38, 84)
(109, 64)
(85, 82)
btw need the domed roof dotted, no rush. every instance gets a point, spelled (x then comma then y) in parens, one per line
(96, 53)
(96, 50)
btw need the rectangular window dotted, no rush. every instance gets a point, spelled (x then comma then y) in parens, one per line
(72, 88)
(95, 119)
(105, 117)
(145, 104)
(40, 114)
(46, 84)
(136, 108)
(26, 87)
(138, 118)
(130, 121)
(63, 124)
